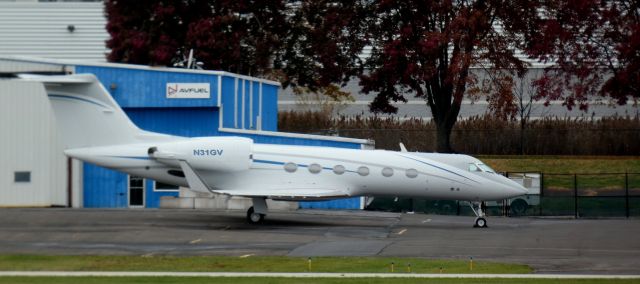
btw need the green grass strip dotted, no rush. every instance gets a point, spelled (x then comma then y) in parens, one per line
(564, 164)
(268, 280)
(250, 264)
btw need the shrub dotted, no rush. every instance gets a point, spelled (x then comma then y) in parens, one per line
(481, 135)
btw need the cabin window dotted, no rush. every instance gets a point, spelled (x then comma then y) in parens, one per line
(339, 169)
(412, 173)
(387, 172)
(22, 177)
(290, 167)
(315, 168)
(363, 171)
(474, 168)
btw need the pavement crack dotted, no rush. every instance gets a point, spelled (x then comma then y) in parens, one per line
(393, 224)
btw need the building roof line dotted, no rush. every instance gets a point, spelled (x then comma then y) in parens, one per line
(39, 60)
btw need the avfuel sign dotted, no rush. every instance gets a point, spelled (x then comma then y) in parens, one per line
(188, 90)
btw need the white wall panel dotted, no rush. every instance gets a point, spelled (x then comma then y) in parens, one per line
(40, 29)
(29, 142)
(9, 65)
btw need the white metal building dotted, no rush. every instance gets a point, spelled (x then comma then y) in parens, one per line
(33, 168)
(61, 30)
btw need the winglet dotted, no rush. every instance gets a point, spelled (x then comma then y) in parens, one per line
(403, 148)
(194, 180)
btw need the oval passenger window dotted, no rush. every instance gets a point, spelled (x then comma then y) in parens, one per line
(363, 171)
(315, 168)
(339, 169)
(290, 167)
(412, 173)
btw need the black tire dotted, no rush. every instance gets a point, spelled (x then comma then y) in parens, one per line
(519, 207)
(254, 218)
(480, 223)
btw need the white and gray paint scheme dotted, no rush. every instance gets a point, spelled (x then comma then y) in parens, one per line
(96, 130)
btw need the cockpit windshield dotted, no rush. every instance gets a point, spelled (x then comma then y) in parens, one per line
(486, 168)
(479, 167)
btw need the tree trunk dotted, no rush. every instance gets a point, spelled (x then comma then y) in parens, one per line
(522, 128)
(443, 137)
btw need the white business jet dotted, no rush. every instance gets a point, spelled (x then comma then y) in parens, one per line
(96, 130)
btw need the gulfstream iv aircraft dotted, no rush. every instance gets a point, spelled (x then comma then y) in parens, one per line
(96, 130)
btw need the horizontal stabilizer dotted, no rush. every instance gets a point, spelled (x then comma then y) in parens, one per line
(57, 79)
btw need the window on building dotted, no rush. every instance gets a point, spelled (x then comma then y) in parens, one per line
(136, 191)
(22, 176)
(160, 186)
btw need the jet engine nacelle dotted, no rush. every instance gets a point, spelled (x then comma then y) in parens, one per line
(208, 153)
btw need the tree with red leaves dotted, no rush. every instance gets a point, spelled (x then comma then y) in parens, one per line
(146, 31)
(238, 36)
(235, 36)
(418, 48)
(324, 43)
(593, 48)
(425, 49)
(311, 44)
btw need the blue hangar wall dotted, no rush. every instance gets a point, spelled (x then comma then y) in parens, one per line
(237, 106)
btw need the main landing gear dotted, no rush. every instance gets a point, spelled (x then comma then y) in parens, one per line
(257, 212)
(477, 208)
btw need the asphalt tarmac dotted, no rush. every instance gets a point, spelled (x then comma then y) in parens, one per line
(604, 246)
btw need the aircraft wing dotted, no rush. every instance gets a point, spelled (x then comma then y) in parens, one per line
(293, 193)
(276, 193)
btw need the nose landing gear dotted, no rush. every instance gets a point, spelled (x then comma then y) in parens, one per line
(481, 221)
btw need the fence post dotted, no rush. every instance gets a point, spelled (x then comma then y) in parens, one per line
(626, 193)
(505, 202)
(542, 187)
(575, 195)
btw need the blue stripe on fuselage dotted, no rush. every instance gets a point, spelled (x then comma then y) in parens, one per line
(131, 157)
(268, 162)
(299, 165)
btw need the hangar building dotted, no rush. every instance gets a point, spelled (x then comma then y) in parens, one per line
(35, 173)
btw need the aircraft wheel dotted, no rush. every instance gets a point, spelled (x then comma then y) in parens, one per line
(480, 223)
(519, 207)
(253, 217)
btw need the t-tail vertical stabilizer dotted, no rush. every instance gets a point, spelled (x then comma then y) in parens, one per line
(87, 115)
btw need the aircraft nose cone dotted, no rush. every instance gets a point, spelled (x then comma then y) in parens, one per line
(518, 189)
(514, 188)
